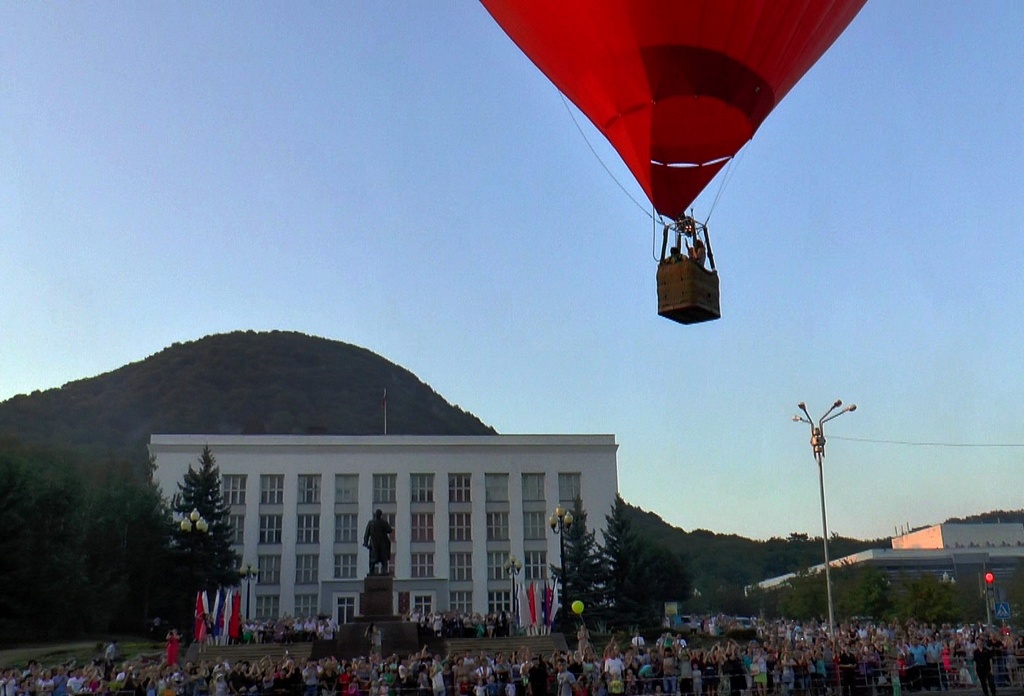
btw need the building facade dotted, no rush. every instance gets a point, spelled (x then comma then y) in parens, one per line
(461, 507)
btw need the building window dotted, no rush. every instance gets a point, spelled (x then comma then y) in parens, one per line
(233, 488)
(461, 567)
(499, 601)
(422, 526)
(422, 604)
(384, 488)
(346, 488)
(270, 529)
(267, 606)
(423, 565)
(309, 488)
(237, 524)
(569, 488)
(422, 486)
(346, 609)
(308, 531)
(307, 605)
(497, 526)
(533, 487)
(269, 569)
(307, 569)
(496, 562)
(390, 517)
(346, 529)
(534, 524)
(458, 488)
(272, 489)
(344, 565)
(460, 527)
(496, 488)
(460, 601)
(535, 565)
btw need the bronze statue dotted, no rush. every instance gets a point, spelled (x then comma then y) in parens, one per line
(377, 538)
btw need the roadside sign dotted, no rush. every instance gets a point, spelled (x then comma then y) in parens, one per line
(1003, 611)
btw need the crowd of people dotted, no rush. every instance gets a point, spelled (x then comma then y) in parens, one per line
(784, 659)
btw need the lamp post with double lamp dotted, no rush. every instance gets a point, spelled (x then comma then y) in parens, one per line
(560, 521)
(818, 446)
(248, 573)
(514, 566)
(194, 528)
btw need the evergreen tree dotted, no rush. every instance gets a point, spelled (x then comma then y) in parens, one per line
(623, 560)
(207, 561)
(584, 575)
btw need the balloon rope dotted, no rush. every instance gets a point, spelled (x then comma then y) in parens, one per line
(730, 169)
(565, 102)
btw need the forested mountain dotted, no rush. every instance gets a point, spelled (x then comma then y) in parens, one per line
(261, 382)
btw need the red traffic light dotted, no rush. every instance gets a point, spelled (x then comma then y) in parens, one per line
(990, 578)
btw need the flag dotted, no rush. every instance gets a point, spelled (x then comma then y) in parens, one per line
(235, 630)
(532, 599)
(544, 607)
(384, 403)
(216, 616)
(554, 605)
(228, 607)
(201, 607)
(523, 606)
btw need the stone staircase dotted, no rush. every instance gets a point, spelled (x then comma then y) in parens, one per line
(538, 645)
(248, 652)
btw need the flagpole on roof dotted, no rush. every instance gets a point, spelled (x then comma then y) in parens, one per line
(384, 402)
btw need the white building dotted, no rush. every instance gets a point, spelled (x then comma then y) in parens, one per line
(460, 505)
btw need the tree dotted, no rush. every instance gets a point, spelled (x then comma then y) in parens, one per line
(584, 574)
(927, 599)
(207, 560)
(639, 576)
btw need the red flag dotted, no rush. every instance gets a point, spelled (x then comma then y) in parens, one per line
(533, 605)
(200, 628)
(235, 630)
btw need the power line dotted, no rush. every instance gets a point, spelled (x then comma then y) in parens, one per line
(926, 444)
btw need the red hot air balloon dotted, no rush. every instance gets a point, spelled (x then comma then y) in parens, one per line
(676, 86)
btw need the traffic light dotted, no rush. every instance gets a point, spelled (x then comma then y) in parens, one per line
(990, 578)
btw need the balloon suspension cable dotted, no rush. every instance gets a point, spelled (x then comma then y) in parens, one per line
(618, 183)
(730, 169)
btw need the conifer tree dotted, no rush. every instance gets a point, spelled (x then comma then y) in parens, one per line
(584, 575)
(207, 557)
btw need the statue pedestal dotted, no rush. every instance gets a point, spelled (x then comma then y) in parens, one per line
(376, 601)
(376, 606)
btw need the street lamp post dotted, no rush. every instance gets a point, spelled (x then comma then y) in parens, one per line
(513, 566)
(195, 528)
(248, 572)
(818, 446)
(560, 521)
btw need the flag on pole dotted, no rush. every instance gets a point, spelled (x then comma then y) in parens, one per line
(384, 403)
(532, 599)
(216, 617)
(544, 606)
(235, 630)
(523, 606)
(555, 605)
(201, 607)
(228, 608)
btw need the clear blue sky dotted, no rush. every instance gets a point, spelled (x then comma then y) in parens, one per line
(399, 176)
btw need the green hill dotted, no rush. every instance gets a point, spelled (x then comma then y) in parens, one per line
(276, 382)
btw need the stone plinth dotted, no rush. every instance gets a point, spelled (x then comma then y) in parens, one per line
(376, 601)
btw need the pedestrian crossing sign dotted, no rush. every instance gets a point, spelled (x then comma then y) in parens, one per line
(1003, 611)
